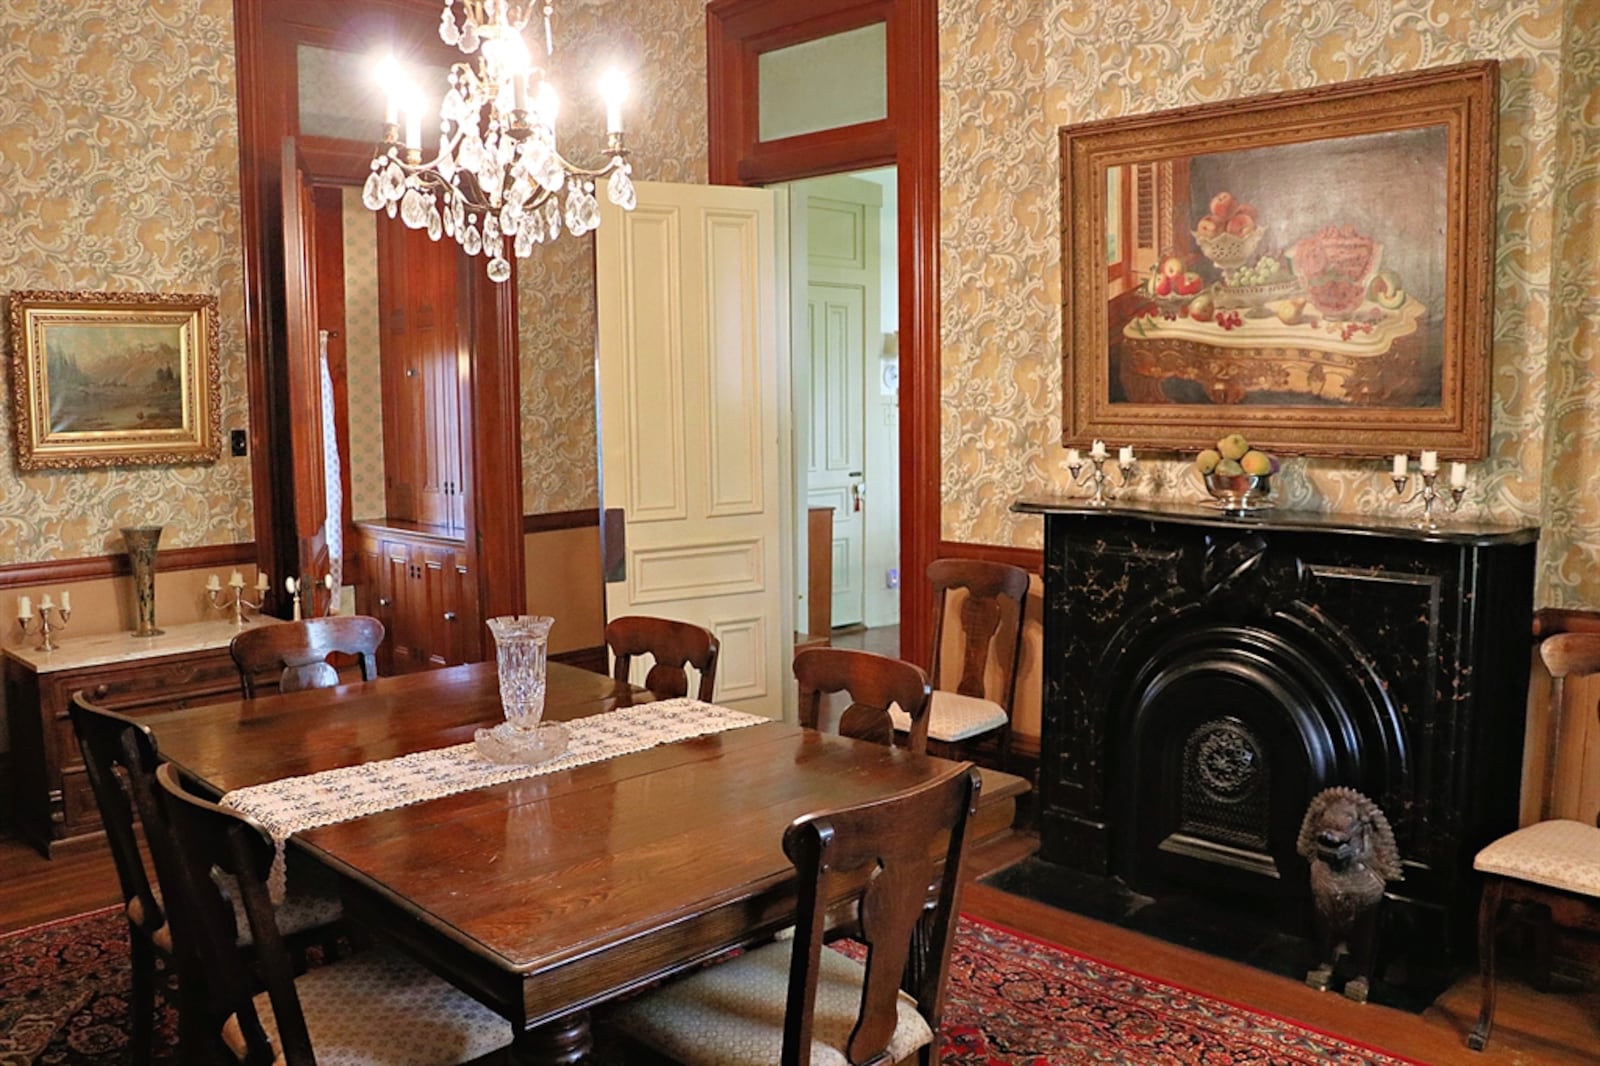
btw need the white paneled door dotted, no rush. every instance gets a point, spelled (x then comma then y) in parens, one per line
(691, 437)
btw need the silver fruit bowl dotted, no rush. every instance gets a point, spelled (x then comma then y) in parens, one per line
(1237, 493)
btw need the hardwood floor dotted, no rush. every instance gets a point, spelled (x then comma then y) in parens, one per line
(1532, 1029)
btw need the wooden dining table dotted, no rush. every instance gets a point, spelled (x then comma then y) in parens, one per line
(548, 895)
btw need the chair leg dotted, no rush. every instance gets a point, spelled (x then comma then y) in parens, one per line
(142, 964)
(1488, 923)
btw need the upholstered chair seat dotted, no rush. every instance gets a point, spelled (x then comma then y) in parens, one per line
(731, 1014)
(1559, 854)
(953, 717)
(379, 1008)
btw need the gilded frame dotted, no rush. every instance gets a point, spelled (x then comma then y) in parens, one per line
(1349, 314)
(115, 379)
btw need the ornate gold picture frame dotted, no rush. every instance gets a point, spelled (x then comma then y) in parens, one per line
(115, 379)
(1312, 269)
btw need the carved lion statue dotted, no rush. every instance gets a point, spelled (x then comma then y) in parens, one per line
(1350, 846)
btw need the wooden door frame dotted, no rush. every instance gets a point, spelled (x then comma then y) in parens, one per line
(487, 357)
(737, 32)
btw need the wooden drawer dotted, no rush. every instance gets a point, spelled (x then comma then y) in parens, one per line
(160, 682)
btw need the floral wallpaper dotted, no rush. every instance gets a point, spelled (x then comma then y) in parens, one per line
(1012, 72)
(662, 47)
(119, 146)
(362, 358)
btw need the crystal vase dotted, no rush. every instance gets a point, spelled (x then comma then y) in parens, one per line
(521, 648)
(140, 542)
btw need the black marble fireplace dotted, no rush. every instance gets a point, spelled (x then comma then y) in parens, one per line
(1205, 675)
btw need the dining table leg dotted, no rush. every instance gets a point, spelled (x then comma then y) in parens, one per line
(567, 1041)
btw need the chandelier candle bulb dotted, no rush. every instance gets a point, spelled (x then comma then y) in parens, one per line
(1458, 475)
(613, 89)
(1429, 462)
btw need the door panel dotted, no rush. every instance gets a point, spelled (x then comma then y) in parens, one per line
(304, 374)
(835, 477)
(690, 366)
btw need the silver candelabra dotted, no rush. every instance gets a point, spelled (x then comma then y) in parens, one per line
(44, 627)
(1429, 495)
(235, 599)
(1096, 479)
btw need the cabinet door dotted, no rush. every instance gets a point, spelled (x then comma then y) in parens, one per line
(407, 628)
(375, 594)
(444, 575)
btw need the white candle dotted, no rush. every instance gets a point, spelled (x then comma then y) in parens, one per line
(1430, 462)
(1098, 451)
(613, 88)
(1458, 475)
(66, 597)
(24, 607)
(236, 580)
(1125, 455)
(47, 603)
(214, 584)
(1400, 461)
(262, 582)
(1073, 458)
(414, 125)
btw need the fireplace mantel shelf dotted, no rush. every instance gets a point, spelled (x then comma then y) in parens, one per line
(1452, 530)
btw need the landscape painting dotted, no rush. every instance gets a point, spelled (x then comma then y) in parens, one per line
(1311, 269)
(114, 378)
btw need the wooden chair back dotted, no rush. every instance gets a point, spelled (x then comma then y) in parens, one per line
(871, 682)
(980, 658)
(1565, 655)
(885, 847)
(120, 759)
(205, 928)
(300, 650)
(673, 645)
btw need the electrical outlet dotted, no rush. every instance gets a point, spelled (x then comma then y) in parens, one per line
(891, 578)
(239, 442)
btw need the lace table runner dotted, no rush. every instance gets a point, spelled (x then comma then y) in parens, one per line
(294, 804)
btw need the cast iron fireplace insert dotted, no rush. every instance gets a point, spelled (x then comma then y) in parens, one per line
(1205, 675)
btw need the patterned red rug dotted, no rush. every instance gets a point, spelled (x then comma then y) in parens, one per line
(1013, 1001)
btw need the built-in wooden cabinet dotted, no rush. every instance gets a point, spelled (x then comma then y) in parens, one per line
(418, 583)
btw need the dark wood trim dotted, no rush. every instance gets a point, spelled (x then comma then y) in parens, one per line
(1548, 621)
(554, 520)
(737, 31)
(99, 567)
(1030, 559)
(594, 659)
(914, 96)
(491, 421)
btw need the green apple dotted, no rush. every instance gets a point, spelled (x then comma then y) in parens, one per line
(1233, 446)
(1229, 468)
(1207, 460)
(1257, 463)
(1387, 290)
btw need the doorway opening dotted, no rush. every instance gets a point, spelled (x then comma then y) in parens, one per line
(845, 305)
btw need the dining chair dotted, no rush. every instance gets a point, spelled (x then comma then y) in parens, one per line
(876, 687)
(1552, 861)
(673, 645)
(977, 646)
(120, 759)
(372, 1006)
(299, 651)
(797, 1001)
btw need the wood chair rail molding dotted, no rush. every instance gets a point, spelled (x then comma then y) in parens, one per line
(737, 31)
(100, 567)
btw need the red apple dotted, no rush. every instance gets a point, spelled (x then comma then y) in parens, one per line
(1207, 227)
(1189, 284)
(1241, 225)
(1164, 286)
(1222, 205)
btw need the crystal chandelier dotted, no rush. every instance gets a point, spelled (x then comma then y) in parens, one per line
(498, 177)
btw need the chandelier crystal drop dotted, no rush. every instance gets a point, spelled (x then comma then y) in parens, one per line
(498, 185)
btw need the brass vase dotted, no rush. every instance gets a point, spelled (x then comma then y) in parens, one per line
(141, 544)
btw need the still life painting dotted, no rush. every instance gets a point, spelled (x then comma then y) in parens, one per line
(106, 379)
(1314, 266)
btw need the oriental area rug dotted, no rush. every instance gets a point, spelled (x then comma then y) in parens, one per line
(1013, 1001)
